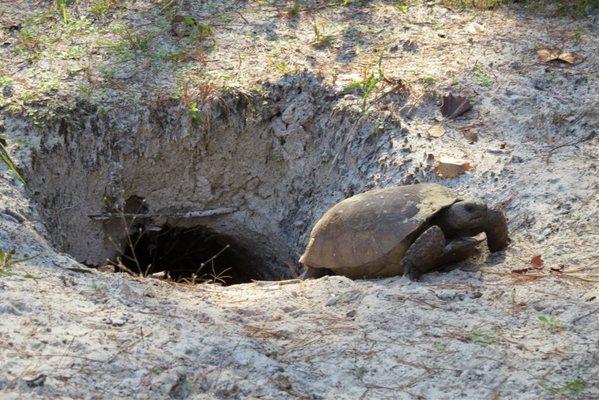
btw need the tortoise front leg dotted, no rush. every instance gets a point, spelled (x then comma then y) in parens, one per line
(425, 253)
(496, 230)
(460, 249)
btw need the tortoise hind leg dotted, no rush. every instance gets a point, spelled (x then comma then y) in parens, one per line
(425, 253)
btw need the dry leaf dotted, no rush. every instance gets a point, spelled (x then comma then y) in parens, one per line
(570, 57)
(548, 55)
(454, 106)
(474, 28)
(521, 270)
(537, 261)
(448, 167)
(436, 131)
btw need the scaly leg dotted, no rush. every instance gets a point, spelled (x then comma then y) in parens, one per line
(425, 253)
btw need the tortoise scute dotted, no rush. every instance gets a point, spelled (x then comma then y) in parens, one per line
(366, 235)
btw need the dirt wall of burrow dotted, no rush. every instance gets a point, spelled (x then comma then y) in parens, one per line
(275, 161)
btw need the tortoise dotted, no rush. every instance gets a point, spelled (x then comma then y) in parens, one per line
(407, 230)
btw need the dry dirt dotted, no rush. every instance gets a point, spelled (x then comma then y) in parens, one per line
(258, 120)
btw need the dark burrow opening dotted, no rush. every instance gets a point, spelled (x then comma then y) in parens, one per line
(192, 255)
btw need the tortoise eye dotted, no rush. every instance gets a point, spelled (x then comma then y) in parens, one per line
(469, 207)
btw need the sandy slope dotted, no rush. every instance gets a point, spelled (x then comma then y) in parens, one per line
(473, 333)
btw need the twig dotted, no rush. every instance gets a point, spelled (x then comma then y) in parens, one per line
(190, 214)
(575, 320)
(571, 143)
(241, 15)
(277, 283)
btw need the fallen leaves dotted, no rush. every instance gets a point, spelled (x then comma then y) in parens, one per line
(436, 131)
(537, 261)
(549, 55)
(449, 167)
(454, 106)
(474, 28)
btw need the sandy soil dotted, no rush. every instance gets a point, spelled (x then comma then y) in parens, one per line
(498, 327)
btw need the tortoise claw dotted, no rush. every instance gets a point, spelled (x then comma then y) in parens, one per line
(412, 273)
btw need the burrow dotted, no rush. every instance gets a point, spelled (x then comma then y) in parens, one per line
(245, 180)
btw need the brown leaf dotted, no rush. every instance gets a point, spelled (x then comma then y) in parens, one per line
(454, 106)
(521, 270)
(549, 55)
(570, 57)
(448, 167)
(537, 261)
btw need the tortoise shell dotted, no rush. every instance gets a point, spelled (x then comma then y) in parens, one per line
(367, 235)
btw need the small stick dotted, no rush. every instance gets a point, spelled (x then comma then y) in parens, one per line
(575, 320)
(590, 136)
(190, 214)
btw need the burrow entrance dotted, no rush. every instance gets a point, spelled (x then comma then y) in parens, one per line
(190, 255)
(230, 200)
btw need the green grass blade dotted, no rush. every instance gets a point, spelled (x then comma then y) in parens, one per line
(10, 164)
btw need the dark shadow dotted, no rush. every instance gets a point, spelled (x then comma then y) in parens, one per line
(195, 255)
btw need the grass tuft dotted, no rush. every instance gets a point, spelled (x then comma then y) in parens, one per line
(552, 324)
(8, 161)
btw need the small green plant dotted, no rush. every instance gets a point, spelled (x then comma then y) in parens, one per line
(201, 32)
(122, 50)
(194, 30)
(30, 42)
(578, 33)
(101, 7)
(284, 68)
(8, 161)
(194, 112)
(321, 38)
(7, 261)
(365, 87)
(98, 287)
(570, 389)
(551, 323)
(478, 4)
(481, 339)
(401, 6)
(439, 346)
(294, 10)
(130, 42)
(137, 41)
(481, 75)
(62, 9)
(584, 7)
(429, 80)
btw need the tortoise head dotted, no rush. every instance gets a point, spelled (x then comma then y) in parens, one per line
(465, 216)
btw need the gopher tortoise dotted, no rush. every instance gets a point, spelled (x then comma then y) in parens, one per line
(399, 230)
